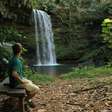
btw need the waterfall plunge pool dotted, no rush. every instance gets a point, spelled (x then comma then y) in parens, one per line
(54, 69)
(45, 48)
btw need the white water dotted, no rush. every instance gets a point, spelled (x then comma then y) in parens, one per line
(44, 38)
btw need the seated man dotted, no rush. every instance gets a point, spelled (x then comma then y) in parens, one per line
(16, 75)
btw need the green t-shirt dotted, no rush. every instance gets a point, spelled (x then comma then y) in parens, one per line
(17, 65)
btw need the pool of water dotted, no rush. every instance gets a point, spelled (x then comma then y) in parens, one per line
(56, 69)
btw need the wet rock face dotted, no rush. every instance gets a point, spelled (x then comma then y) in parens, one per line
(18, 11)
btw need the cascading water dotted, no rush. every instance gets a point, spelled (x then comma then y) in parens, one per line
(44, 38)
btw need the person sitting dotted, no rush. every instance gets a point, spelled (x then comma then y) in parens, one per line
(16, 74)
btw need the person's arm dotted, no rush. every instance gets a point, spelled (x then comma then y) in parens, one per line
(16, 76)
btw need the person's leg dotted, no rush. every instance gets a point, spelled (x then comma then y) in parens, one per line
(29, 99)
(30, 94)
(31, 90)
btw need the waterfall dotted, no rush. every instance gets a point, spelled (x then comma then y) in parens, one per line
(45, 49)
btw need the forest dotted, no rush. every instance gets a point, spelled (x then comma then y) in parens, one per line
(76, 26)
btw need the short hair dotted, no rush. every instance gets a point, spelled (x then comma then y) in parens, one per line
(17, 47)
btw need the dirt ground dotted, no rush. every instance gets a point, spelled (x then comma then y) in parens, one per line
(78, 95)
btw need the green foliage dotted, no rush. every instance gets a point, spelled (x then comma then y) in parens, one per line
(5, 52)
(81, 23)
(107, 31)
(46, 5)
(39, 78)
(88, 72)
(10, 34)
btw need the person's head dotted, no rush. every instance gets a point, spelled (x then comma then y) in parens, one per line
(17, 49)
